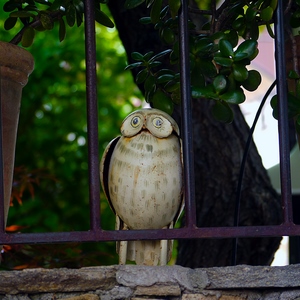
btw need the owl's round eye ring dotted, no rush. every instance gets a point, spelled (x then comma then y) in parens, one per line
(157, 122)
(135, 122)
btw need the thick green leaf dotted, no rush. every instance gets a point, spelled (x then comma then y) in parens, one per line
(129, 4)
(203, 46)
(222, 112)
(134, 65)
(149, 3)
(159, 55)
(10, 6)
(148, 55)
(141, 76)
(239, 23)
(235, 97)
(251, 13)
(163, 13)
(150, 84)
(46, 21)
(79, 13)
(174, 7)
(253, 81)
(103, 19)
(162, 101)
(154, 64)
(62, 30)
(10, 23)
(21, 14)
(226, 48)
(293, 105)
(274, 105)
(165, 71)
(240, 56)
(165, 78)
(168, 35)
(248, 46)
(240, 72)
(28, 37)
(204, 92)
(232, 37)
(223, 61)
(55, 5)
(71, 15)
(220, 84)
(145, 20)
(270, 30)
(273, 3)
(172, 86)
(137, 56)
(266, 14)
(155, 11)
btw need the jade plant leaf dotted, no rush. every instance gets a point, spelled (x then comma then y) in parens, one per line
(235, 97)
(103, 19)
(129, 4)
(253, 81)
(222, 112)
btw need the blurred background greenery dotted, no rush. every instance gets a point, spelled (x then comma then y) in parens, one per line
(51, 177)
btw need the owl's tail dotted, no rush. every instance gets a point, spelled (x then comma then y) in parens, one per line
(150, 253)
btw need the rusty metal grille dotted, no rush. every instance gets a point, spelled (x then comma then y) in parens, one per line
(190, 231)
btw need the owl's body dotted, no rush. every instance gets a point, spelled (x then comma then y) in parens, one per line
(141, 173)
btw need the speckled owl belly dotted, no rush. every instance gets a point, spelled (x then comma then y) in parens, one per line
(145, 180)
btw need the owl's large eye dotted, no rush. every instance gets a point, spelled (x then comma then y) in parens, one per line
(135, 122)
(157, 122)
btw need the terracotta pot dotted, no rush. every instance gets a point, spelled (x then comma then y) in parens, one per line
(16, 65)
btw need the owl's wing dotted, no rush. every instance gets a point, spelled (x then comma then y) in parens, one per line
(178, 214)
(104, 168)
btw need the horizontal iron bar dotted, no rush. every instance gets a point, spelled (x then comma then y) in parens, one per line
(288, 229)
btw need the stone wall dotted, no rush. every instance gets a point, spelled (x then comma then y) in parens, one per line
(139, 282)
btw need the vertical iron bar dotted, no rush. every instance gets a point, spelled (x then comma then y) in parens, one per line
(283, 130)
(187, 126)
(92, 114)
(2, 217)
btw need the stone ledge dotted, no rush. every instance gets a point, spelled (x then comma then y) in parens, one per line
(141, 282)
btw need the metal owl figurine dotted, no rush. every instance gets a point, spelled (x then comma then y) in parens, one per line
(141, 174)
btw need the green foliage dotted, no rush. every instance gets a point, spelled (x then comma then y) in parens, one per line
(292, 66)
(218, 63)
(52, 139)
(160, 86)
(293, 98)
(41, 15)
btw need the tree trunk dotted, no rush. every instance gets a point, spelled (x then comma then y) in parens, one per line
(218, 150)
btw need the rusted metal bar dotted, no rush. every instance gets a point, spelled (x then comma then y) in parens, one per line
(181, 233)
(283, 127)
(2, 218)
(92, 115)
(186, 112)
